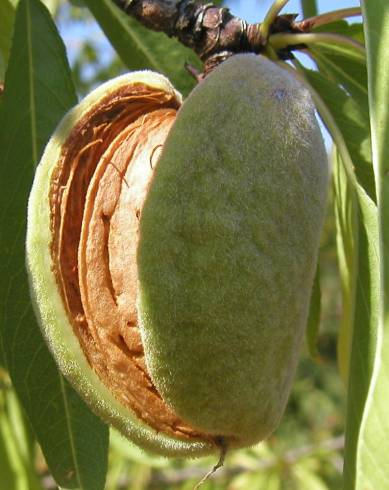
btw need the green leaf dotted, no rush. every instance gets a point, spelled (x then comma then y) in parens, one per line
(273, 481)
(364, 346)
(17, 445)
(38, 91)
(347, 67)
(354, 30)
(2, 354)
(52, 6)
(7, 14)
(368, 468)
(343, 67)
(366, 327)
(140, 48)
(352, 122)
(313, 324)
(306, 479)
(346, 216)
(309, 8)
(13, 476)
(8, 456)
(260, 480)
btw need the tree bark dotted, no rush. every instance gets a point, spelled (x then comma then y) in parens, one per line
(211, 31)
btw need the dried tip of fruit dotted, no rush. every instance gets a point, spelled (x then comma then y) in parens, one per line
(174, 296)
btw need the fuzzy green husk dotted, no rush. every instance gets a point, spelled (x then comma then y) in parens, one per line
(229, 239)
(228, 246)
(47, 301)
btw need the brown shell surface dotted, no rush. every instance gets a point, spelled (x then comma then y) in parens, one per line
(96, 196)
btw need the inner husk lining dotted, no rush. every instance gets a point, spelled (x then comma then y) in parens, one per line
(96, 196)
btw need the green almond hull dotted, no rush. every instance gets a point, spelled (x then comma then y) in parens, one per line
(228, 247)
(48, 304)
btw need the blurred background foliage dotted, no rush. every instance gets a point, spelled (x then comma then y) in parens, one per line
(305, 453)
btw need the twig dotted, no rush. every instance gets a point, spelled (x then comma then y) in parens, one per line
(211, 31)
(219, 464)
(215, 34)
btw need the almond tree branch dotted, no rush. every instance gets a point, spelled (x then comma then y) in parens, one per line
(211, 31)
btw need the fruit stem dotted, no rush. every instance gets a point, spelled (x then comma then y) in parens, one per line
(223, 451)
(270, 17)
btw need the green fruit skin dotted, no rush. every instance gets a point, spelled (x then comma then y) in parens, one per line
(229, 238)
(48, 303)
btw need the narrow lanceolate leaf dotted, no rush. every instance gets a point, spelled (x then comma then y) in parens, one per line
(353, 124)
(366, 326)
(364, 349)
(347, 67)
(11, 478)
(368, 468)
(2, 354)
(38, 91)
(17, 458)
(346, 217)
(342, 83)
(7, 14)
(309, 8)
(140, 48)
(313, 324)
(353, 30)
